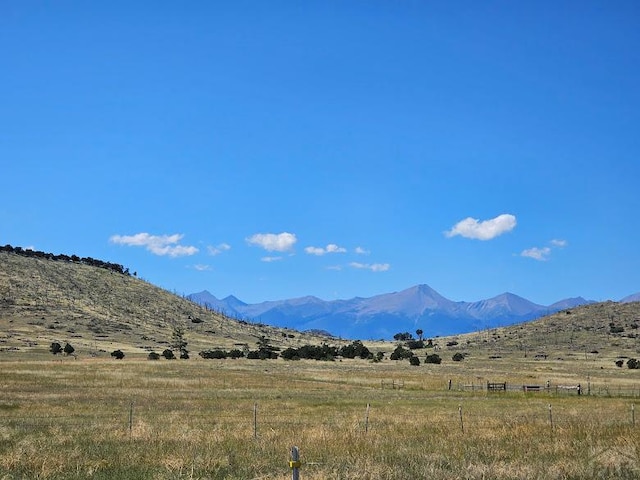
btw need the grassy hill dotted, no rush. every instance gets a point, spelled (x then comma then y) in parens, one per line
(99, 310)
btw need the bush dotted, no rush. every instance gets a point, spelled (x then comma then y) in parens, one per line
(403, 337)
(168, 354)
(355, 349)
(117, 354)
(55, 348)
(433, 358)
(68, 349)
(633, 364)
(619, 363)
(153, 356)
(213, 354)
(458, 357)
(414, 361)
(415, 344)
(400, 353)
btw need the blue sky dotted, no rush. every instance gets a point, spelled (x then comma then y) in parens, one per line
(273, 150)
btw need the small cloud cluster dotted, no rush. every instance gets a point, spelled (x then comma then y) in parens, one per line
(273, 242)
(319, 251)
(218, 249)
(374, 267)
(542, 254)
(483, 230)
(162, 245)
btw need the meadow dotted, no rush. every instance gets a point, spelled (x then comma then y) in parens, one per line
(353, 419)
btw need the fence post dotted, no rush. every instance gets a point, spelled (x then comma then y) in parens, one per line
(550, 418)
(366, 419)
(633, 414)
(461, 421)
(294, 463)
(255, 420)
(130, 420)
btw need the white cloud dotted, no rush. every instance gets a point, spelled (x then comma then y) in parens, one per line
(362, 251)
(331, 248)
(157, 244)
(273, 242)
(541, 254)
(374, 267)
(485, 230)
(202, 268)
(218, 249)
(271, 259)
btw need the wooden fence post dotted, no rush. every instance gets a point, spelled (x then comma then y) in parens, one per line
(550, 418)
(633, 414)
(294, 463)
(255, 420)
(461, 421)
(130, 420)
(366, 419)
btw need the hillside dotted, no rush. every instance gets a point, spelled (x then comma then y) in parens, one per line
(98, 310)
(587, 331)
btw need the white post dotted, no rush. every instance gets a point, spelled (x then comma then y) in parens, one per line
(294, 463)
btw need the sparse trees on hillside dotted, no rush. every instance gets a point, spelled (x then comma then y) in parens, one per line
(168, 354)
(68, 349)
(178, 341)
(117, 354)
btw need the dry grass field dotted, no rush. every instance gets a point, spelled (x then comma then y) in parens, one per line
(92, 416)
(237, 419)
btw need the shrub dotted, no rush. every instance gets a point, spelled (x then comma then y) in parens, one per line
(117, 354)
(290, 354)
(213, 354)
(68, 349)
(355, 349)
(433, 358)
(414, 361)
(619, 363)
(55, 348)
(457, 357)
(153, 356)
(168, 354)
(403, 337)
(400, 353)
(415, 344)
(633, 364)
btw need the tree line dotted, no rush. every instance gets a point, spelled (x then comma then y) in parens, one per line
(26, 252)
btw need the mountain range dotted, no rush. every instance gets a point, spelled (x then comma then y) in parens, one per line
(382, 316)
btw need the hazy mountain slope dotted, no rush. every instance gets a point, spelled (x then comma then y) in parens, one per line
(631, 298)
(382, 316)
(95, 309)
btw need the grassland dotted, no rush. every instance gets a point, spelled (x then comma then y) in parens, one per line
(96, 417)
(237, 419)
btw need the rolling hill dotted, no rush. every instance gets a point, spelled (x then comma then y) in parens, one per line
(99, 309)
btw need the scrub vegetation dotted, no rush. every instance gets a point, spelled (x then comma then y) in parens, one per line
(235, 403)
